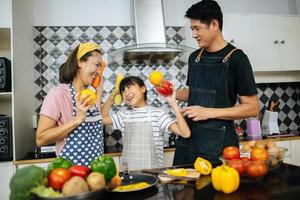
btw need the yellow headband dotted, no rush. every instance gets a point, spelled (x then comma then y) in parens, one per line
(86, 47)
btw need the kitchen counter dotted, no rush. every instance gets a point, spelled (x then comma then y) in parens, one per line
(283, 183)
(118, 154)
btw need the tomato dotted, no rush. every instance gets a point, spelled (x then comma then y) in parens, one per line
(259, 154)
(58, 177)
(78, 170)
(246, 161)
(237, 164)
(165, 88)
(257, 169)
(231, 152)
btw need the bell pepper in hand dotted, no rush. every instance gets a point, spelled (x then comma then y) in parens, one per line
(104, 165)
(59, 162)
(165, 88)
(225, 179)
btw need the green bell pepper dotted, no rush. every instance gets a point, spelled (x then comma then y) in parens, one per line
(59, 162)
(104, 165)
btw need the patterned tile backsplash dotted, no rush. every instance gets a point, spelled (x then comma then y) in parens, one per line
(52, 45)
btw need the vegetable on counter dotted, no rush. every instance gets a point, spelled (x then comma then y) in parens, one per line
(44, 191)
(75, 185)
(24, 180)
(96, 181)
(105, 165)
(59, 162)
(79, 170)
(203, 166)
(57, 177)
(225, 179)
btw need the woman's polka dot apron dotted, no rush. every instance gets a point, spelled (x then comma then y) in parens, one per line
(86, 141)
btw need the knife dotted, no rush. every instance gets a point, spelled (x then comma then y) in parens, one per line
(160, 173)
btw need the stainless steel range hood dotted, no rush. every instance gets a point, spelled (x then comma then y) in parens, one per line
(150, 34)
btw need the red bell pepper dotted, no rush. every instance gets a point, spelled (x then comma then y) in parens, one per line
(165, 88)
(79, 170)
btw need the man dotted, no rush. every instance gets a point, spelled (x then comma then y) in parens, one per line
(218, 75)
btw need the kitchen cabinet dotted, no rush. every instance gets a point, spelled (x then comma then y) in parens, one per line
(293, 152)
(271, 42)
(276, 42)
(6, 172)
(237, 30)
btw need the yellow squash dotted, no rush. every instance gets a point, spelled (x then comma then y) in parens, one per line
(118, 98)
(225, 179)
(203, 166)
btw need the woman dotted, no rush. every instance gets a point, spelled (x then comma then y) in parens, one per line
(66, 117)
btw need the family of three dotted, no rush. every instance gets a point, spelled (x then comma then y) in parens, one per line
(218, 74)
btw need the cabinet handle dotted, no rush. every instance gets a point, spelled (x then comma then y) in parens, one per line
(276, 42)
(232, 41)
(282, 42)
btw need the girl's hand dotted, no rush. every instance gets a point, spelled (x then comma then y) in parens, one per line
(171, 99)
(82, 106)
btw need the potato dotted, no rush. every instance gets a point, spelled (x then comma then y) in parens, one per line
(274, 151)
(270, 144)
(75, 185)
(246, 148)
(260, 144)
(252, 143)
(96, 181)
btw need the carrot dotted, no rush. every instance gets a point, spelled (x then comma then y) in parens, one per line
(97, 80)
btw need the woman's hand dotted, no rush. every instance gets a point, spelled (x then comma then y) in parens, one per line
(82, 106)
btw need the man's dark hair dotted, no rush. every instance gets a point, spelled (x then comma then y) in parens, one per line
(206, 11)
(132, 80)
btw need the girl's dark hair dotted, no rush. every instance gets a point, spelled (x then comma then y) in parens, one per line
(206, 11)
(69, 69)
(132, 80)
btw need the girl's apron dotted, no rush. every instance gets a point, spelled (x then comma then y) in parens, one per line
(86, 141)
(208, 87)
(139, 151)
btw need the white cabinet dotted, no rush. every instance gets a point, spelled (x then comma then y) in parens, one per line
(276, 42)
(6, 172)
(293, 154)
(271, 42)
(237, 30)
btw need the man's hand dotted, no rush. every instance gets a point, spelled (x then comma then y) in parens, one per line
(198, 113)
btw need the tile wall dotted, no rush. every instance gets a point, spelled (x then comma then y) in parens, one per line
(52, 45)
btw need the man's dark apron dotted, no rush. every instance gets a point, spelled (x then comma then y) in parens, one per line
(208, 87)
(86, 141)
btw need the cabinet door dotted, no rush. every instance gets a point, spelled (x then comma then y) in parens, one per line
(6, 172)
(237, 30)
(289, 43)
(296, 152)
(266, 42)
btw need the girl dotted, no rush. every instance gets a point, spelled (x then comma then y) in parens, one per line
(143, 125)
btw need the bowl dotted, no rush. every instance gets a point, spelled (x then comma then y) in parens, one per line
(253, 170)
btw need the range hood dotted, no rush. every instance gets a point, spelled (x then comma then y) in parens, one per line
(150, 34)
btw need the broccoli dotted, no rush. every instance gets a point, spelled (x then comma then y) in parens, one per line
(24, 180)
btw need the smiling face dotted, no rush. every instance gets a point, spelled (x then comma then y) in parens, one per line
(89, 69)
(204, 34)
(133, 95)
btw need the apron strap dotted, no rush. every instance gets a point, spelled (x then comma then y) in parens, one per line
(199, 55)
(229, 54)
(224, 60)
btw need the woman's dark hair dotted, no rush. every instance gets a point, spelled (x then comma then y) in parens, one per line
(132, 80)
(68, 70)
(206, 11)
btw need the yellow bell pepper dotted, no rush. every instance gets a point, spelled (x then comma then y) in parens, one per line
(225, 179)
(177, 172)
(203, 166)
